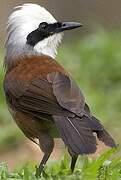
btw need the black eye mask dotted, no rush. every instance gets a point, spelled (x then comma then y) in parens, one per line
(43, 31)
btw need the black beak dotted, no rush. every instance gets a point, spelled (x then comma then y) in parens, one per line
(67, 26)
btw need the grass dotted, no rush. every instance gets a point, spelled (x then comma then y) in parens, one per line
(105, 167)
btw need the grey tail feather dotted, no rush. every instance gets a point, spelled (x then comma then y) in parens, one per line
(78, 134)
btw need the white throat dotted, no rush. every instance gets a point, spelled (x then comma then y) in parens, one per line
(22, 22)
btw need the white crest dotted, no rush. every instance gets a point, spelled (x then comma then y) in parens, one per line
(23, 21)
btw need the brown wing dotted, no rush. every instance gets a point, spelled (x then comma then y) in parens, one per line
(60, 96)
(36, 98)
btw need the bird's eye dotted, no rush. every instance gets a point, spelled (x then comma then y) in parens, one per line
(43, 25)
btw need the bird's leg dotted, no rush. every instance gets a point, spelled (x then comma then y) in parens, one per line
(42, 164)
(73, 163)
(46, 144)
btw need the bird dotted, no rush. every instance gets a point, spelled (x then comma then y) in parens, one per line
(42, 97)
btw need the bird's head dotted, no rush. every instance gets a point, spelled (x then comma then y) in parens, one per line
(33, 30)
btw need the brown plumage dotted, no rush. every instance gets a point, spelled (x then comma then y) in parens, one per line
(46, 103)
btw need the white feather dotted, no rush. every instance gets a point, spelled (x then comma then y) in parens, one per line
(23, 21)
